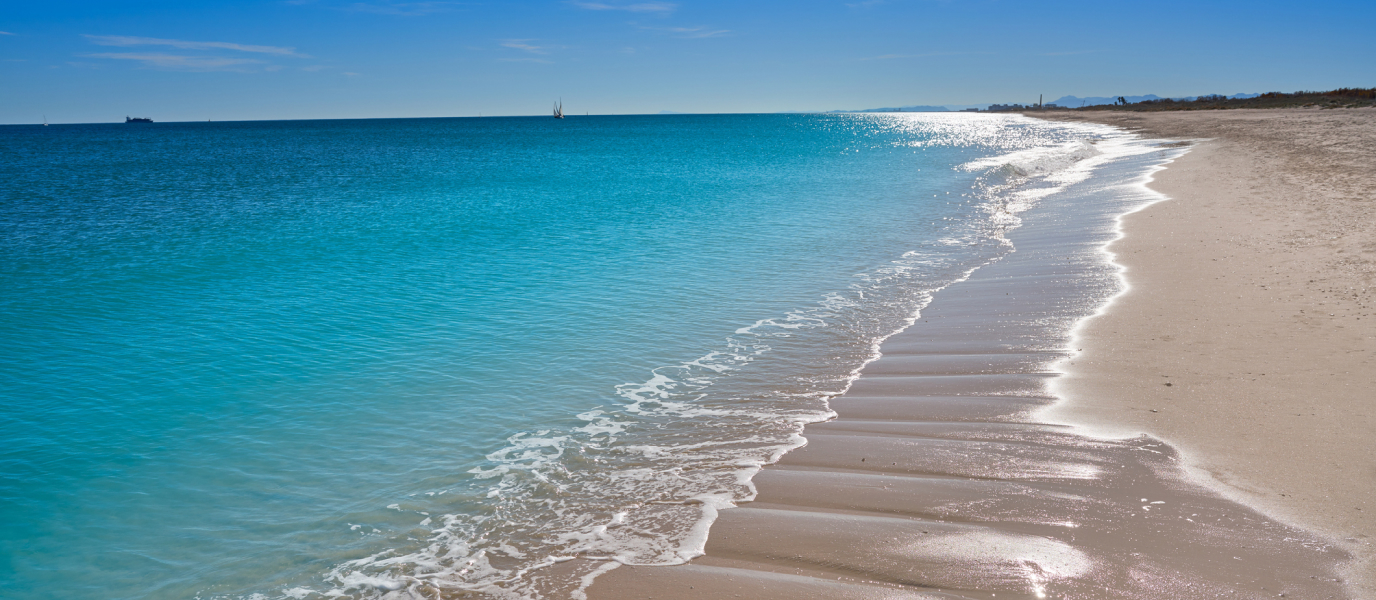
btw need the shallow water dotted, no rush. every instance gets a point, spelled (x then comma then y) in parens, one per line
(290, 358)
(937, 479)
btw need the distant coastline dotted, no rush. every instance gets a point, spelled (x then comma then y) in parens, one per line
(1338, 98)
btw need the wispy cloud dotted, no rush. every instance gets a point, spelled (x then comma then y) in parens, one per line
(698, 32)
(182, 63)
(401, 9)
(641, 7)
(5, 33)
(690, 32)
(866, 4)
(926, 55)
(522, 45)
(525, 46)
(125, 40)
(192, 62)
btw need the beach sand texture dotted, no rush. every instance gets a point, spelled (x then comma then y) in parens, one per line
(1247, 339)
(937, 480)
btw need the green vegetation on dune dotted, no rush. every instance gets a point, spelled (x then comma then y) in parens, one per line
(1339, 98)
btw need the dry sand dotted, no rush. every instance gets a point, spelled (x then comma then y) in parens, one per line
(1248, 336)
(936, 481)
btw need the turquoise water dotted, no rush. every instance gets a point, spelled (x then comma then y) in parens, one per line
(292, 358)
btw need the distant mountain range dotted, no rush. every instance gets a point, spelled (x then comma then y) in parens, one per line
(1066, 101)
(1076, 101)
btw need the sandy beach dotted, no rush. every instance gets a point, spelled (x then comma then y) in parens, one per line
(1206, 435)
(1247, 339)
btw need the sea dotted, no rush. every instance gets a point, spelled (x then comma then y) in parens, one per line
(447, 357)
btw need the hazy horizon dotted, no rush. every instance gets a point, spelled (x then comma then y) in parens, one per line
(947, 108)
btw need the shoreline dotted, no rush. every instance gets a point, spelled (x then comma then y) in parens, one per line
(1251, 290)
(934, 482)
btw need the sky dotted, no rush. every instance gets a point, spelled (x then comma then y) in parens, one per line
(99, 61)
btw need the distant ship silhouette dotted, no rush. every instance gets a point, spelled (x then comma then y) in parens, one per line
(128, 119)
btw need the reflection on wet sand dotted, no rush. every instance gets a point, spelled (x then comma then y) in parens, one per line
(934, 482)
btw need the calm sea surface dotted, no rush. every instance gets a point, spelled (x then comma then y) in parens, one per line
(297, 358)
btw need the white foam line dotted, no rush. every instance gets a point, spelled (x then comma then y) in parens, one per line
(1189, 461)
(1061, 165)
(694, 544)
(584, 582)
(701, 529)
(1052, 414)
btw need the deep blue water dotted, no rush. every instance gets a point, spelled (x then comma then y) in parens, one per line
(236, 356)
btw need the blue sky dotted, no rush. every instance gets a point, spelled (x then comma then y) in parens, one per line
(78, 61)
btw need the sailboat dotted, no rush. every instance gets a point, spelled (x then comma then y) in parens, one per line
(45, 120)
(559, 109)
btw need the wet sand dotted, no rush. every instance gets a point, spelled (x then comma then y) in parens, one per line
(1247, 340)
(940, 479)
